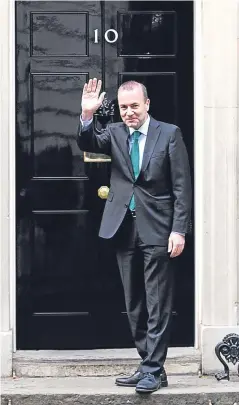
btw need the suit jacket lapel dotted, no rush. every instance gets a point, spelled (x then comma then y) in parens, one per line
(123, 144)
(152, 137)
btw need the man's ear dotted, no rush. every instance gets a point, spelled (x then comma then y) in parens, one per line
(148, 104)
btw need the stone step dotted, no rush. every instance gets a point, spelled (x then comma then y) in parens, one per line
(182, 390)
(103, 362)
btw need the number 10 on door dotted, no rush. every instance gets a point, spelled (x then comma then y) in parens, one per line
(111, 41)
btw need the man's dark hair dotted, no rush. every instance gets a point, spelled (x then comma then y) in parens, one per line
(131, 84)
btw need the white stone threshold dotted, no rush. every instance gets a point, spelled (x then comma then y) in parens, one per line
(100, 362)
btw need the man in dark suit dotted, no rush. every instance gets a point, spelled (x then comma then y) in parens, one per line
(147, 213)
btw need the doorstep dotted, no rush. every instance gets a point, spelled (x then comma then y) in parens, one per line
(182, 390)
(100, 362)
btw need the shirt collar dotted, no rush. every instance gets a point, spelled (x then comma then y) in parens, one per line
(143, 129)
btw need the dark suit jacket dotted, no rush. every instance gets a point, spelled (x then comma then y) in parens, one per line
(162, 190)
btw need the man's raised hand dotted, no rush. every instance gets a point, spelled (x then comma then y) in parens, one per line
(91, 100)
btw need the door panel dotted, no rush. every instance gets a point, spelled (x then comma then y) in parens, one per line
(155, 47)
(69, 293)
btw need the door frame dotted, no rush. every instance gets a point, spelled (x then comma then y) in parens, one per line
(198, 163)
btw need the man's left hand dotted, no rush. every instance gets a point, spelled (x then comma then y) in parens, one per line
(176, 244)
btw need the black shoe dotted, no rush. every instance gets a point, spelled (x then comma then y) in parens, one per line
(164, 379)
(133, 380)
(149, 383)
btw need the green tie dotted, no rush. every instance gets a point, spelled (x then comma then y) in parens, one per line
(134, 154)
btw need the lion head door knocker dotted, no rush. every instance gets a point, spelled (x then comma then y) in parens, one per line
(104, 115)
(229, 349)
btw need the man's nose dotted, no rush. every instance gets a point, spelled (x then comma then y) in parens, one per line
(129, 111)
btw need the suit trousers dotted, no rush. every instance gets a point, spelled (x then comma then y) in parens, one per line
(147, 276)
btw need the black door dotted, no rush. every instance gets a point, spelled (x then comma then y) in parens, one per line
(69, 294)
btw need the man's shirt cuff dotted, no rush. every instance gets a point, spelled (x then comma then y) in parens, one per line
(179, 233)
(85, 124)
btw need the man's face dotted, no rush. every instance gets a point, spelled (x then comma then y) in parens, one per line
(133, 107)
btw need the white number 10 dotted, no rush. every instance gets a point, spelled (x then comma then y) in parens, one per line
(111, 41)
